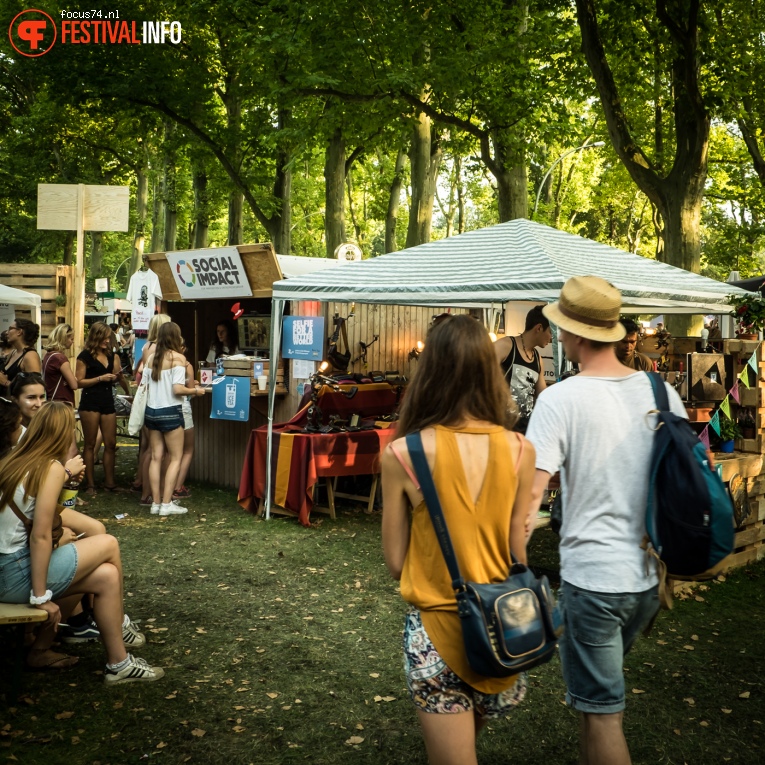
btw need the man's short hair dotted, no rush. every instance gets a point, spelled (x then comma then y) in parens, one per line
(534, 317)
(631, 326)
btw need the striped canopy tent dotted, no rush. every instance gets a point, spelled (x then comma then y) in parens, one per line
(517, 260)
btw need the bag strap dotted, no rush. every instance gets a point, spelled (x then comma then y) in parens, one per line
(344, 332)
(659, 391)
(428, 488)
(60, 376)
(27, 523)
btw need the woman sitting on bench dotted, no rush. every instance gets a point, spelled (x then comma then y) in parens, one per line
(54, 579)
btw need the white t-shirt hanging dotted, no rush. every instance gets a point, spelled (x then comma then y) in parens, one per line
(143, 292)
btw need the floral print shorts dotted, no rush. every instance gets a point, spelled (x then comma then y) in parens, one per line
(433, 687)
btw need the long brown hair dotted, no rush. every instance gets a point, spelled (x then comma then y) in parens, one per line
(168, 340)
(97, 333)
(48, 438)
(457, 377)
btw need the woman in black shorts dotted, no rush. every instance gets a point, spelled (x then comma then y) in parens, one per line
(96, 371)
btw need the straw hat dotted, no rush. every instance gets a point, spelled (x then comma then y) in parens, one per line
(588, 307)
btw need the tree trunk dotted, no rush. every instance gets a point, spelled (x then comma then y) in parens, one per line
(394, 199)
(68, 248)
(141, 207)
(354, 222)
(334, 192)
(460, 195)
(96, 253)
(280, 224)
(171, 210)
(235, 219)
(418, 230)
(512, 180)
(157, 218)
(201, 208)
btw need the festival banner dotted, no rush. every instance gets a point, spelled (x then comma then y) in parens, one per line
(704, 436)
(714, 423)
(725, 407)
(734, 393)
(753, 362)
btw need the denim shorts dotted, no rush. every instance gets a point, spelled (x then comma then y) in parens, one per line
(164, 419)
(16, 573)
(600, 628)
(433, 687)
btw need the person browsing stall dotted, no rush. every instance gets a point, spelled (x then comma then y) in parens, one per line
(226, 341)
(589, 427)
(522, 365)
(165, 374)
(483, 474)
(626, 349)
(97, 369)
(21, 336)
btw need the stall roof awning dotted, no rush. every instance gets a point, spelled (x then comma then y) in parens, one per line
(517, 260)
(15, 296)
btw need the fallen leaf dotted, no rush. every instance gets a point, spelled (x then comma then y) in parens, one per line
(374, 674)
(238, 729)
(699, 599)
(272, 695)
(648, 664)
(161, 745)
(690, 701)
(64, 715)
(201, 631)
(198, 732)
(389, 698)
(704, 724)
(359, 726)
(172, 696)
(661, 642)
(726, 711)
(637, 690)
(238, 708)
(355, 740)
(677, 732)
(689, 648)
(744, 695)
(694, 637)
(75, 739)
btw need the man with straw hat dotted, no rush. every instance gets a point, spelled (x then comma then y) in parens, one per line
(589, 427)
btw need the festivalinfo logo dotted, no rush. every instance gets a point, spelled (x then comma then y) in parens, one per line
(34, 32)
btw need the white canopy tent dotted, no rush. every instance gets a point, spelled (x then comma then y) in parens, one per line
(17, 297)
(517, 260)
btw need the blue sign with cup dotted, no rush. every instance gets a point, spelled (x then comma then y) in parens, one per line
(230, 399)
(303, 337)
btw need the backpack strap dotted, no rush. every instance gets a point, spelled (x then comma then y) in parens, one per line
(428, 488)
(659, 391)
(26, 522)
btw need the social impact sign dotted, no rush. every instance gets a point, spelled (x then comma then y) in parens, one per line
(230, 399)
(211, 273)
(303, 337)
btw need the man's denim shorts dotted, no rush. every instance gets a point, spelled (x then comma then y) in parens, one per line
(600, 628)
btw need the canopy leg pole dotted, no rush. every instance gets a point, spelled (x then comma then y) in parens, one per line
(277, 311)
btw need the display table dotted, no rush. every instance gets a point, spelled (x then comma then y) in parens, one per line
(300, 459)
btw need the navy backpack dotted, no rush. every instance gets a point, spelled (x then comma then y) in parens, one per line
(689, 515)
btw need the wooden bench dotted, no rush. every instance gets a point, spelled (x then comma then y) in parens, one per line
(17, 616)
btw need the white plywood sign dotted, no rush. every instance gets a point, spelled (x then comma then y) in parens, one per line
(105, 208)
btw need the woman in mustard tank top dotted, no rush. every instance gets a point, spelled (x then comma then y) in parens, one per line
(483, 474)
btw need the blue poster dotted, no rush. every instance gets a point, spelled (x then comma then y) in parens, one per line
(138, 349)
(230, 399)
(303, 337)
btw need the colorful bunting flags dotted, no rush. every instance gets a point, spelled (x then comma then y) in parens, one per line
(753, 362)
(704, 436)
(734, 392)
(725, 407)
(743, 375)
(714, 422)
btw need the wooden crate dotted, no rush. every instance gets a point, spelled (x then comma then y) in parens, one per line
(48, 280)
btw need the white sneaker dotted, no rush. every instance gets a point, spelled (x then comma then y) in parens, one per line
(131, 637)
(155, 508)
(171, 509)
(136, 671)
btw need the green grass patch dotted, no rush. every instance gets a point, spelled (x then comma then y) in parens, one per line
(282, 643)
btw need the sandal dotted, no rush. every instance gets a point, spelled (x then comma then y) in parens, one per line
(49, 660)
(113, 489)
(80, 502)
(91, 491)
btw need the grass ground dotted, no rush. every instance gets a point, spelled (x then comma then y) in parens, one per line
(282, 645)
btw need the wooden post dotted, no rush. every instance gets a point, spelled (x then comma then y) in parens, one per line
(78, 289)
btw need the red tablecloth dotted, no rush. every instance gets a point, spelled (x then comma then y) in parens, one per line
(300, 459)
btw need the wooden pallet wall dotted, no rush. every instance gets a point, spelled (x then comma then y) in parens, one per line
(48, 280)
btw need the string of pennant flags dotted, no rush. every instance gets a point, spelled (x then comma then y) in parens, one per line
(741, 377)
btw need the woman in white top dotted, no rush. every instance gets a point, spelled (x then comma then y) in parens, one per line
(54, 578)
(165, 374)
(226, 342)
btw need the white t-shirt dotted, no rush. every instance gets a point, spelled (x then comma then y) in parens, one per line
(13, 535)
(596, 432)
(161, 391)
(142, 294)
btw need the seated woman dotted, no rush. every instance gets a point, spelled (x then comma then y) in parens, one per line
(226, 341)
(31, 570)
(28, 393)
(483, 474)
